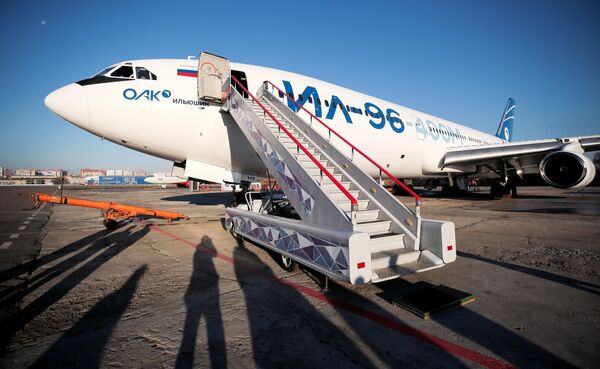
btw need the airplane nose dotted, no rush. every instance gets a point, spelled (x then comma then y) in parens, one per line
(70, 103)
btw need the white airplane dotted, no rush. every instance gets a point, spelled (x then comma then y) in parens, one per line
(152, 106)
(164, 178)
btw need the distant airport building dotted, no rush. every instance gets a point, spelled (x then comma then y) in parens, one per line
(120, 180)
(4, 172)
(92, 172)
(25, 172)
(125, 173)
(39, 173)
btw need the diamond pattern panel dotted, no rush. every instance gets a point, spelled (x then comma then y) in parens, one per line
(328, 255)
(296, 192)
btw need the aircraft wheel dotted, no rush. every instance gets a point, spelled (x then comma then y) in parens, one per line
(446, 190)
(496, 190)
(287, 263)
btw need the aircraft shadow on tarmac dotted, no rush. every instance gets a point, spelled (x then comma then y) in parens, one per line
(408, 349)
(109, 245)
(321, 339)
(488, 334)
(211, 198)
(570, 282)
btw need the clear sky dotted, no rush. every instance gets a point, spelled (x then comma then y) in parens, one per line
(459, 60)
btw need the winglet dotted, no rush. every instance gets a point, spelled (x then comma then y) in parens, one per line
(505, 128)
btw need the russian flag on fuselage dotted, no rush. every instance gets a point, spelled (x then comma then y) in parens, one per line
(187, 72)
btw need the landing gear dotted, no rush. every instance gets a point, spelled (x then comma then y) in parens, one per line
(399, 191)
(500, 190)
(287, 263)
(448, 190)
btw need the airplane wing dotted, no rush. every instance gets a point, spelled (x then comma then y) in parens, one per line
(559, 161)
(513, 150)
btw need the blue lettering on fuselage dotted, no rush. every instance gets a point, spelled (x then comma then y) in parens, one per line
(308, 91)
(378, 117)
(150, 95)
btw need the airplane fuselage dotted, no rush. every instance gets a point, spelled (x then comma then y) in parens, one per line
(163, 117)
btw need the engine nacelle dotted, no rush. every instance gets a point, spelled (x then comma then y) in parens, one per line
(566, 169)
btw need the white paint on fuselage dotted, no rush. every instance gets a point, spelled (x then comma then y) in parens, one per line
(176, 131)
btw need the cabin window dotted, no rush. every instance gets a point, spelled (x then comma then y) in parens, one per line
(326, 103)
(319, 101)
(281, 94)
(143, 73)
(300, 98)
(104, 71)
(125, 71)
(310, 99)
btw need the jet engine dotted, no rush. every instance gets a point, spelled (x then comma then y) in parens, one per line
(566, 169)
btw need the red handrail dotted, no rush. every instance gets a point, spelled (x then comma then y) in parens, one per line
(352, 199)
(398, 182)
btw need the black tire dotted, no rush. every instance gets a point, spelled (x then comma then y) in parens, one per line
(287, 263)
(399, 191)
(111, 225)
(496, 190)
(446, 190)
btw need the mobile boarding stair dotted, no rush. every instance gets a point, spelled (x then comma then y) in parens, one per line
(351, 228)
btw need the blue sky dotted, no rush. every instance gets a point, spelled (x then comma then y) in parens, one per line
(458, 60)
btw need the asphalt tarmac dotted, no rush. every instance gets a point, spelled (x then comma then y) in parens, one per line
(187, 294)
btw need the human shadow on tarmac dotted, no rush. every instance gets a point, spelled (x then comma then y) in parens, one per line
(84, 344)
(111, 245)
(569, 282)
(218, 198)
(202, 299)
(286, 329)
(484, 332)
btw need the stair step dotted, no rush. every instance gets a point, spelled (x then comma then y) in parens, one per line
(307, 162)
(345, 204)
(364, 215)
(340, 195)
(373, 228)
(329, 186)
(292, 148)
(291, 145)
(315, 172)
(385, 259)
(387, 242)
(396, 271)
(302, 158)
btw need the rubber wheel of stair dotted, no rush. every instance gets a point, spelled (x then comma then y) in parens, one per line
(287, 263)
(110, 224)
(235, 235)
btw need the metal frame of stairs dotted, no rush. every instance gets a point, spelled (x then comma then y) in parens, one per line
(351, 228)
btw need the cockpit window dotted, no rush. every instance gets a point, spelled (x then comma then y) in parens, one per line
(125, 71)
(143, 73)
(104, 71)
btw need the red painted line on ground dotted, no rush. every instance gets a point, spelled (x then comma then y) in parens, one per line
(455, 349)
